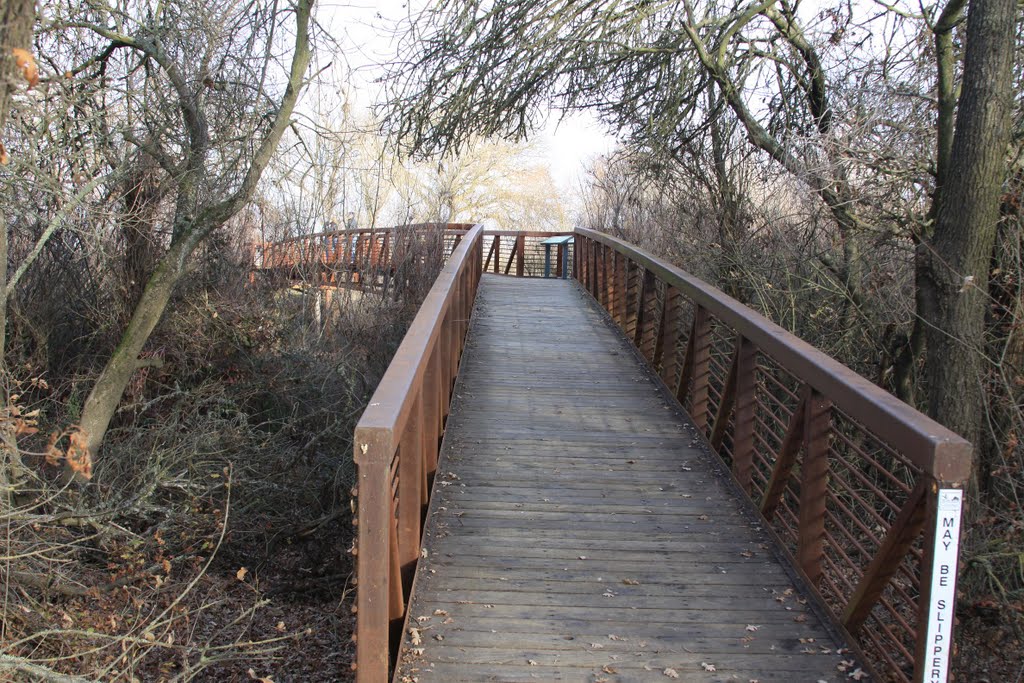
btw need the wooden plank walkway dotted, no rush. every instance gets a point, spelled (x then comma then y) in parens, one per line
(580, 532)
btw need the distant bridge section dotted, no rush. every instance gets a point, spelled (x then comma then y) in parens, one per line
(372, 258)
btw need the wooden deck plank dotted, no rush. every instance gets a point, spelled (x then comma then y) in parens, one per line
(579, 531)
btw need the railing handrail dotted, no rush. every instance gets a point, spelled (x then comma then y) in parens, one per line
(388, 410)
(457, 229)
(526, 233)
(450, 228)
(935, 449)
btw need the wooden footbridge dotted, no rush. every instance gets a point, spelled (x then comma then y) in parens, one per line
(629, 476)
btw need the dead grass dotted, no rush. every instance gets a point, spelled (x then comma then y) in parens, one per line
(212, 543)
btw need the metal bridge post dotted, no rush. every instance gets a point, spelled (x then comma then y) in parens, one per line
(814, 485)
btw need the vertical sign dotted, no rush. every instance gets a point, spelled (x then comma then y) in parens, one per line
(939, 645)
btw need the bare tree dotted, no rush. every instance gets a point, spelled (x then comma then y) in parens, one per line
(200, 102)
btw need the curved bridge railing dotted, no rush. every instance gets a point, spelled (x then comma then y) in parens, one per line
(862, 491)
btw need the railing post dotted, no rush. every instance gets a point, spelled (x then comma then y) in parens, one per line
(511, 256)
(373, 525)
(490, 254)
(611, 286)
(520, 255)
(746, 406)
(649, 318)
(591, 271)
(585, 263)
(577, 248)
(697, 368)
(814, 485)
(666, 355)
(634, 282)
(621, 284)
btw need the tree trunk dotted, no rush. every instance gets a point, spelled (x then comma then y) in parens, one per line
(105, 396)
(189, 232)
(955, 294)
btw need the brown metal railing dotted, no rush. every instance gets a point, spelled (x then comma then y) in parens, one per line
(512, 252)
(396, 450)
(358, 257)
(843, 473)
(369, 256)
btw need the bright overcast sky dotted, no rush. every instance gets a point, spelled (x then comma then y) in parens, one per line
(367, 33)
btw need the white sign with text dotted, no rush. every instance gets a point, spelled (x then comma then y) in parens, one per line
(939, 645)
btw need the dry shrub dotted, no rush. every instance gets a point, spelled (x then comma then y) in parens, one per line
(212, 537)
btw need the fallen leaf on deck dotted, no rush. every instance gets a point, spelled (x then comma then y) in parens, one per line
(671, 673)
(707, 667)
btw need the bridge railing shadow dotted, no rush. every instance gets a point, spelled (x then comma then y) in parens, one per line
(845, 475)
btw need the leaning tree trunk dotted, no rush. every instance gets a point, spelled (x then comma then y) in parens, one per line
(106, 394)
(958, 256)
(190, 231)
